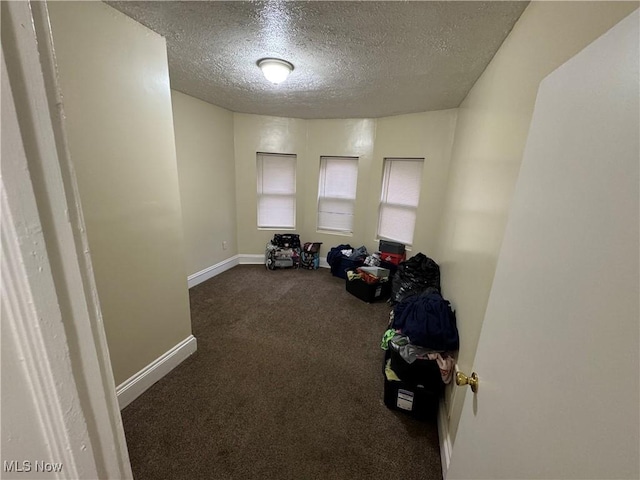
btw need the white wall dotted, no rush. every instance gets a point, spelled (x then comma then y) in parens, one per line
(204, 147)
(493, 122)
(115, 84)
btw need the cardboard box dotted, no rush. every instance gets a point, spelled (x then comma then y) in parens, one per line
(377, 271)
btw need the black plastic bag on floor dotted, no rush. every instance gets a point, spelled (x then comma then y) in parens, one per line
(415, 275)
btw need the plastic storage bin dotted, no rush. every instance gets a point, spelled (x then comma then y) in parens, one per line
(368, 292)
(416, 400)
(418, 397)
(340, 269)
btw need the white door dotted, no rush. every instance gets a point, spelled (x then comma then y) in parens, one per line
(558, 353)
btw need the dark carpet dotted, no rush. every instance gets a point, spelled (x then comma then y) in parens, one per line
(286, 384)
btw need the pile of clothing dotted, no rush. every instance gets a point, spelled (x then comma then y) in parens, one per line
(344, 257)
(422, 337)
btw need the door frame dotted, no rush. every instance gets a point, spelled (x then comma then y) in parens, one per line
(50, 306)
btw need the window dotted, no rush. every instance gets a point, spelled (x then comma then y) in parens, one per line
(276, 190)
(399, 200)
(337, 193)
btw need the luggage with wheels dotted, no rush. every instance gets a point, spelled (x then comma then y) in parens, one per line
(278, 257)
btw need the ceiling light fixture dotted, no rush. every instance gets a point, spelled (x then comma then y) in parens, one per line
(275, 70)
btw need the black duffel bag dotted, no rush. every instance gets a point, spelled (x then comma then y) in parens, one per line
(286, 240)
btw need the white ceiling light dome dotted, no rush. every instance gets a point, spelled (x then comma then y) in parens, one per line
(275, 70)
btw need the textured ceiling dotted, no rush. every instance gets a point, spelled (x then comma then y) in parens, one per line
(352, 59)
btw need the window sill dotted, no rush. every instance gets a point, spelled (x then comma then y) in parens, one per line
(333, 232)
(277, 229)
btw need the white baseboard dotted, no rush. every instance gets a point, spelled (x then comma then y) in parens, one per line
(135, 386)
(258, 259)
(445, 438)
(251, 259)
(242, 259)
(212, 271)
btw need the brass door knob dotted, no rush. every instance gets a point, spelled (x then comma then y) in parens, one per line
(472, 381)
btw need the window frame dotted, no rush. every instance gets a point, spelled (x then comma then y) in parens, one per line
(386, 173)
(322, 181)
(259, 194)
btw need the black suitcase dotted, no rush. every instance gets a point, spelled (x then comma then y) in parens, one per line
(391, 247)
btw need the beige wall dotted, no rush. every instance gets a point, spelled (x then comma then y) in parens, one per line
(428, 135)
(115, 83)
(492, 127)
(206, 169)
(257, 133)
(348, 138)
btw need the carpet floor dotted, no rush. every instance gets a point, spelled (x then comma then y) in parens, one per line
(286, 384)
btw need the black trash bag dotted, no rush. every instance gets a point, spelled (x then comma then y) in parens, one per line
(414, 276)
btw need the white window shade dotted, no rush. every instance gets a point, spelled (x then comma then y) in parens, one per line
(399, 200)
(276, 175)
(337, 193)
